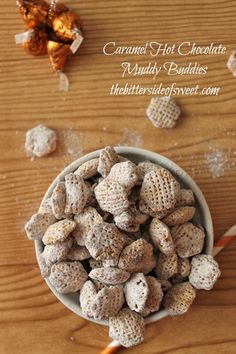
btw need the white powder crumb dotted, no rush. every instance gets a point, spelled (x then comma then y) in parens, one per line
(131, 138)
(70, 143)
(104, 128)
(72, 339)
(217, 161)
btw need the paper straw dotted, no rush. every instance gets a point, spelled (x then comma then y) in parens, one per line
(223, 241)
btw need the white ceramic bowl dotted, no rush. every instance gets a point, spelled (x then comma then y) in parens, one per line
(136, 155)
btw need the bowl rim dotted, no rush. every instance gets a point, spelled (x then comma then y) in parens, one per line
(147, 155)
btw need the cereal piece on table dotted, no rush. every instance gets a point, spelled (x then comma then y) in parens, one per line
(108, 302)
(68, 277)
(57, 252)
(88, 169)
(159, 190)
(179, 298)
(136, 292)
(76, 194)
(184, 267)
(136, 256)
(58, 232)
(44, 267)
(105, 242)
(85, 221)
(78, 253)
(40, 141)
(185, 198)
(179, 216)
(231, 64)
(188, 239)
(46, 207)
(107, 158)
(58, 200)
(161, 236)
(130, 220)
(127, 327)
(36, 227)
(167, 266)
(87, 295)
(124, 173)
(109, 275)
(144, 167)
(163, 112)
(111, 197)
(155, 296)
(204, 272)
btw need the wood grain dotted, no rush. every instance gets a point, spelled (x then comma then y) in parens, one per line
(86, 118)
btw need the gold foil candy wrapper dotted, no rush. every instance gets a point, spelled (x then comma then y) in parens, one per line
(66, 26)
(33, 12)
(55, 10)
(37, 43)
(58, 54)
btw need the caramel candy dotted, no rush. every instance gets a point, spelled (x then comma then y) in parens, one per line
(55, 10)
(33, 12)
(37, 43)
(58, 54)
(66, 26)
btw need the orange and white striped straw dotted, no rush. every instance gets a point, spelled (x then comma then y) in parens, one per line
(223, 241)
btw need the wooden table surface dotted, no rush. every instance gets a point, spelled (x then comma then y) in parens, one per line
(86, 118)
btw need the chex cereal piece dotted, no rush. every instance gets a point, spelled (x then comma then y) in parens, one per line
(68, 277)
(111, 196)
(204, 272)
(130, 220)
(145, 209)
(136, 292)
(231, 63)
(85, 221)
(179, 216)
(99, 285)
(58, 200)
(87, 295)
(44, 267)
(163, 112)
(40, 141)
(37, 225)
(150, 264)
(105, 242)
(165, 284)
(124, 173)
(155, 296)
(127, 327)
(188, 239)
(58, 231)
(161, 236)
(108, 302)
(93, 263)
(91, 201)
(159, 190)
(144, 167)
(78, 253)
(57, 252)
(88, 169)
(77, 194)
(136, 256)
(109, 275)
(46, 207)
(107, 158)
(167, 266)
(185, 198)
(179, 298)
(184, 267)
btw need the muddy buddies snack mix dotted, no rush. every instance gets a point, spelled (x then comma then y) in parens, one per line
(129, 246)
